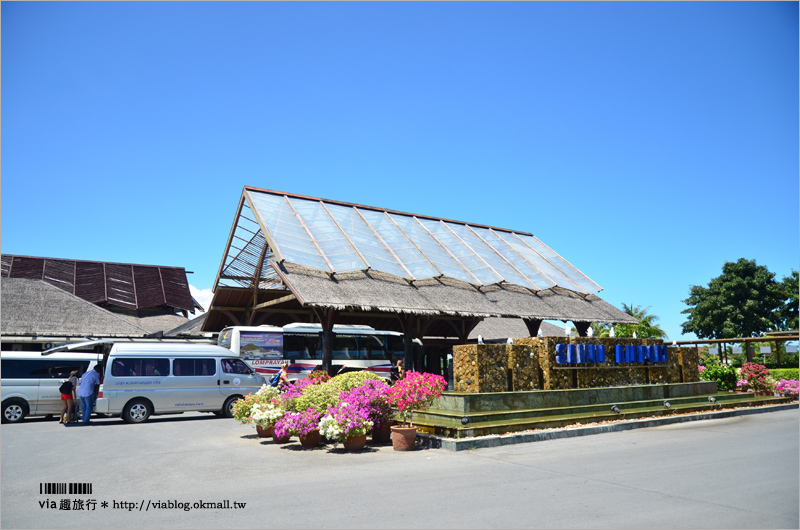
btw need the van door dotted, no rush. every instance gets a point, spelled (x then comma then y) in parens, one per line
(195, 381)
(51, 373)
(238, 378)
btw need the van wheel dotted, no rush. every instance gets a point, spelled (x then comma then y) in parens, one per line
(14, 410)
(137, 411)
(227, 408)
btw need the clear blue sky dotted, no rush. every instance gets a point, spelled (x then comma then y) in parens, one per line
(647, 143)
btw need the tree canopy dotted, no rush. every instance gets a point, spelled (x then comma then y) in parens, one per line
(787, 314)
(744, 301)
(647, 328)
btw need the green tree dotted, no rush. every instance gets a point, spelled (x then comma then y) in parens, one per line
(741, 302)
(787, 314)
(647, 328)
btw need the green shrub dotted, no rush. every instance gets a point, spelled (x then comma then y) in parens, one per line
(725, 376)
(785, 373)
(326, 394)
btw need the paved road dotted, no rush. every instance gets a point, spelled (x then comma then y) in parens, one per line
(738, 472)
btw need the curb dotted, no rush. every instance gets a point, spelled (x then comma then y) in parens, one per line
(433, 441)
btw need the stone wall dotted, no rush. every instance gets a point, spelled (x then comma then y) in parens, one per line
(480, 368)
(530, 364)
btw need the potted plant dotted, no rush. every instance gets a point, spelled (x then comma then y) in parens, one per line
(788, 388)
(243, 409)
(266, 410)
(415, 391)
(304, 424)
(373, 395)
(348, 424)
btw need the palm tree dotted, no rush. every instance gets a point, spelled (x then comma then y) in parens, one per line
(647, 327)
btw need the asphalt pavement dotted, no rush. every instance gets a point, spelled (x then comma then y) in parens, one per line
(198, 471)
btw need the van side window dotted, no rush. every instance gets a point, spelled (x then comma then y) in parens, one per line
(140, 367)
(35, 369)
(235, 366)
(193, 367)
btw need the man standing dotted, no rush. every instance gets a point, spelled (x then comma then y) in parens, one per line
(86, 391)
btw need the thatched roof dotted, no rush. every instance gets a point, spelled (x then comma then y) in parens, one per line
(381, 292)
(154, 321)
(190, 328)
(34, 307)
(515, 328)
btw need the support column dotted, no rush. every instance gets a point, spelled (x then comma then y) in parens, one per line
(583, 328)
(748, 351)
(533, 326)
(408, 323)
(326, 318)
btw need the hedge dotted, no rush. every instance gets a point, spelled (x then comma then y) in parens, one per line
(785, 373)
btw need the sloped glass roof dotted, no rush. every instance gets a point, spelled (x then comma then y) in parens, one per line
(337, 237)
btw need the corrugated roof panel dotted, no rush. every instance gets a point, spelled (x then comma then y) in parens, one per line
(468, 258)
(524, 266)
(491, 256)
(539, 261)
(368, 243)
(338, 237)
(433, 249)
(563, 265)
(328, 236)
(291, 240)
(400, 244)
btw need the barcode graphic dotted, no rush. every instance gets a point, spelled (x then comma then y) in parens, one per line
(64, 488)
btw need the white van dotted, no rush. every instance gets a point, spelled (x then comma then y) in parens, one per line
(141, 380)
(30, 381)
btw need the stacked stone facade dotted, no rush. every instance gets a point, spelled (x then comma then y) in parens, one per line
(530, 364)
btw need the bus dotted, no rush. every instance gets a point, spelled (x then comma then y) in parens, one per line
(265, 348)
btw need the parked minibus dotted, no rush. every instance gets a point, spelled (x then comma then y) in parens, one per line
(265, 348)
(141, 380)
(30, 381)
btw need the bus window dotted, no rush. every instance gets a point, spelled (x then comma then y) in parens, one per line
(225, 339)
(372, 348)
(345, 347)
(301, 346)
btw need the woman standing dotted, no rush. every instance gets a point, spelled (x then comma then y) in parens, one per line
(68, 399)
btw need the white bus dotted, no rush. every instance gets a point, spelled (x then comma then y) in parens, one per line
(354, 348)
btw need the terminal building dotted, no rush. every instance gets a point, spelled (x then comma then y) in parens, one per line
(292, 258)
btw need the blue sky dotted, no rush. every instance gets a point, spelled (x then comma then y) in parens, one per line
(647, 143)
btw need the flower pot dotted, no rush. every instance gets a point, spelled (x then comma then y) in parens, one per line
(382, 434)
(265, 432)
(283, 440)
(403, 438)
(355, 443)
(312, 439)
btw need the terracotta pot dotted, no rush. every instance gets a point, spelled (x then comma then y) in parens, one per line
(355, 443)
(382, 434)
(265, 432)
(403, 438)
(312, 439)
(283, 440)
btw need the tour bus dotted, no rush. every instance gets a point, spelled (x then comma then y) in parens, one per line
(265, 348)
(141, 380)
(30, 381)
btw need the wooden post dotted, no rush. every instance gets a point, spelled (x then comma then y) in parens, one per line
(326, 318)
(408, 323)
(583, 328)
(533, 326)
(748, 351)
